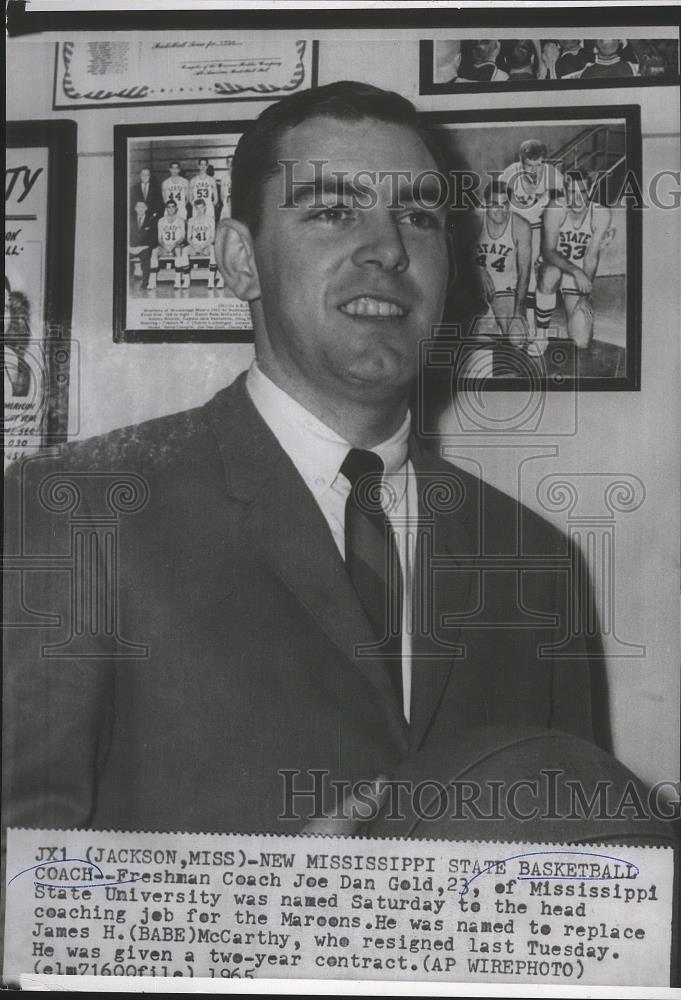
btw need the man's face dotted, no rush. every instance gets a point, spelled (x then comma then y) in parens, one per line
(140, 207)
(569, 45)
(348, 292)
(533, 168)
(145, 176)
(200, 209)
(607, 46)
(203, 166)
(174, 169)
(521, 54)
(171, 209)
(498, 208)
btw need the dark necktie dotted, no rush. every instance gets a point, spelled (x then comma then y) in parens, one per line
(372, 558)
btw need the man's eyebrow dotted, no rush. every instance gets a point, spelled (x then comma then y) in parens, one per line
(427, 191)
(335, 185)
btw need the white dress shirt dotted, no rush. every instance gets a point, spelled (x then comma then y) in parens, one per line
(318, 452)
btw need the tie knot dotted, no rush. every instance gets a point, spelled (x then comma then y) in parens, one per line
(360, 463)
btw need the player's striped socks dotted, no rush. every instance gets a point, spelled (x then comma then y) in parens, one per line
(546, 303)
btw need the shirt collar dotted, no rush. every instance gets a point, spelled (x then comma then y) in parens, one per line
(315, 449)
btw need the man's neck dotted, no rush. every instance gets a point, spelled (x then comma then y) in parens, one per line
(362, 423)
(496, 229)
(578, 212)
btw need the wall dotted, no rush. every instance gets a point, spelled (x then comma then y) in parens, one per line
(616, 433)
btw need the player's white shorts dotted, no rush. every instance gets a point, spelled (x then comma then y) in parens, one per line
(503, 287)
(568, 286)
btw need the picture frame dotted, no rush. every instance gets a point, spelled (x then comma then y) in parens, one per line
(39, 357)
(538, 61)
(604, 143)
(206, 67)
(188, 302)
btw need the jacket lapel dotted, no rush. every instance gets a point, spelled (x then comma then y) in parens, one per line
(292, 536)
(449, 528)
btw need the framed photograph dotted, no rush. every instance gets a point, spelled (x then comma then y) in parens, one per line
(546, 215)
(172, 186)
(40, 195)
(205, 66)
(462, 64)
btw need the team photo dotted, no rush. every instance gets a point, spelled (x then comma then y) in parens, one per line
(177, 189)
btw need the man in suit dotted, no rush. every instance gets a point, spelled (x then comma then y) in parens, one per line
(148, 190)
(142, 237)
(236, 675)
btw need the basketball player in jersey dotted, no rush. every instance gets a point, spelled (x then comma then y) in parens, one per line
(200, 240)
(176, 188)
(172, 230)
(203, 186)
(503, 253)
(575, 230)
(479, 62)
(532, 183)
(226, 190)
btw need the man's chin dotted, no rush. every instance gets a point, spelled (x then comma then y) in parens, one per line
(384, 376)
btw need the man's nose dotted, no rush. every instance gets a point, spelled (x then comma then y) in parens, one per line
(381, 243)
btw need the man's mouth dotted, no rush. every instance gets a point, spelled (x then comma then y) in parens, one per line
(367, 305)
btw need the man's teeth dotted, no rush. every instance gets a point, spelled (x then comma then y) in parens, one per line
(366, 306)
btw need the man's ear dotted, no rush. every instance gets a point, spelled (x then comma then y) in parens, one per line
(235, 259)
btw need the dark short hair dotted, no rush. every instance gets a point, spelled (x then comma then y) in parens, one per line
(256, 157)
(174, 163)
(199, 201)
(532, 149)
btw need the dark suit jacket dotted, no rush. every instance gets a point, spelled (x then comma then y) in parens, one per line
(154, 199)
(144, 235)
(229, 575)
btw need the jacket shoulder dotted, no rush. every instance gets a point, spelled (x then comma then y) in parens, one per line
(504, 522)
(153, 444)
